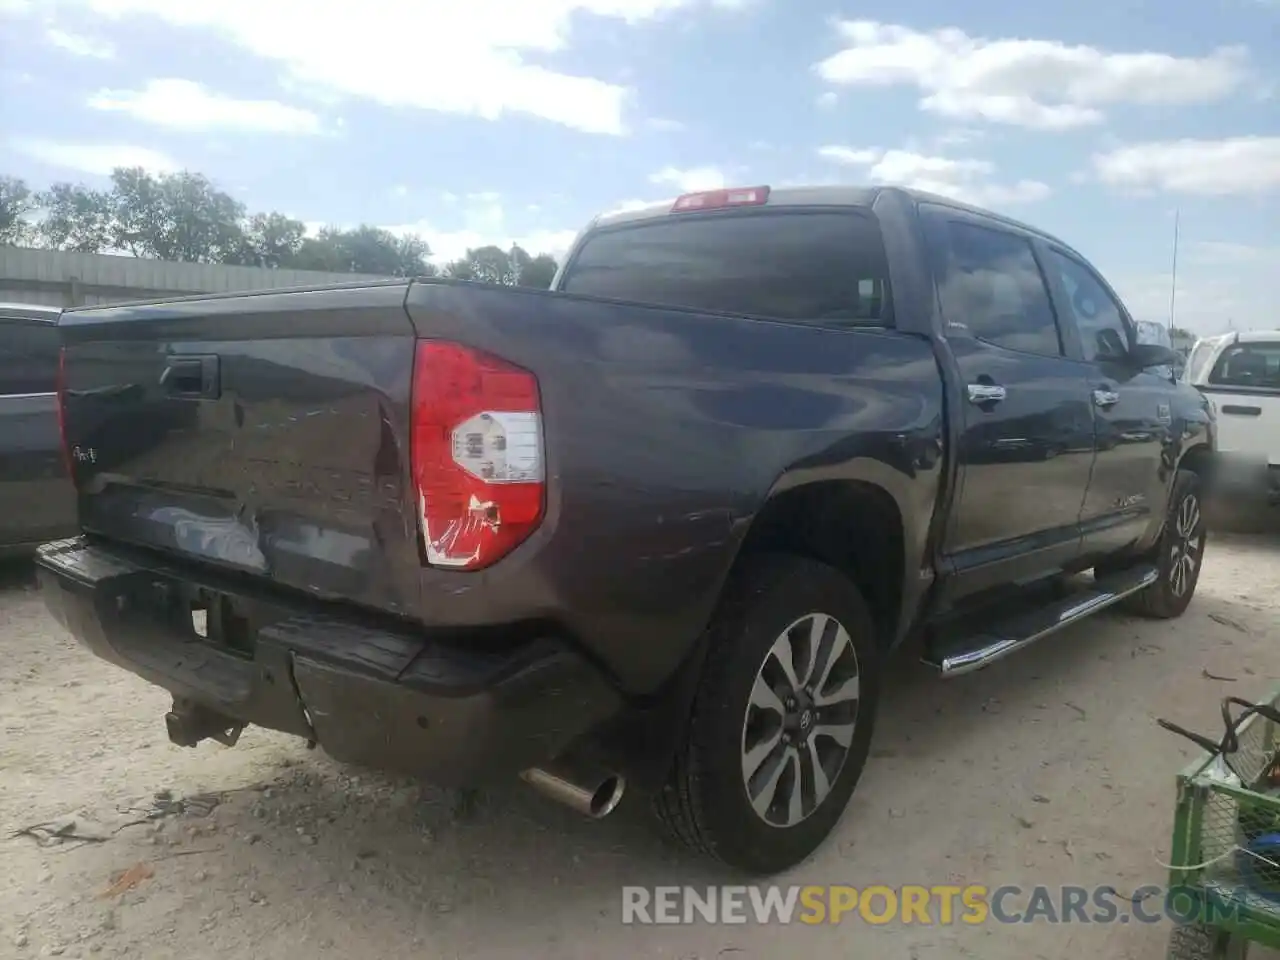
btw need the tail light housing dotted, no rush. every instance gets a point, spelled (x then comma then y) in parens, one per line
(67, 463)
(477, 454)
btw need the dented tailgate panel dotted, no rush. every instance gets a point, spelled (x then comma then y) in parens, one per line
(263, 433)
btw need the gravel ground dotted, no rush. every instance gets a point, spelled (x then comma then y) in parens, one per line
(1045, 769)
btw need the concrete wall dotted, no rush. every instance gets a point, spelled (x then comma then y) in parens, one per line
(60, 279)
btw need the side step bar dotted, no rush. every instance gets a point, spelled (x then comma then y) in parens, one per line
(965, 654)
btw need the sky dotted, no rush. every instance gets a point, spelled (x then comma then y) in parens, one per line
(1104, 122)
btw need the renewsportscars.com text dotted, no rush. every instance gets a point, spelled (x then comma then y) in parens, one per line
(934, 905)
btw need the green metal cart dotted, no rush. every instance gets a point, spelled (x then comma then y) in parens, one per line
(1225, 878)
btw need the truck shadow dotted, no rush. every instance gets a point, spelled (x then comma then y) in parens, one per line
(16, 574)
(443, 865)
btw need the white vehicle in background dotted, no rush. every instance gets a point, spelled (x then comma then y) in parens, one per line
(1240, 375)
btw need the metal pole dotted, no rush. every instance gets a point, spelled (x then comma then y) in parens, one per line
(1173, 282)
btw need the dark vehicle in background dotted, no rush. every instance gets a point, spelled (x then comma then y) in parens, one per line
(660, 525)
(37, 501)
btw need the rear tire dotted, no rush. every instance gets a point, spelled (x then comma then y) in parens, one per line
(1179, 553)
(752, 734)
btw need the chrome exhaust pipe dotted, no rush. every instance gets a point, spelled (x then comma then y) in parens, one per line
(590, 792)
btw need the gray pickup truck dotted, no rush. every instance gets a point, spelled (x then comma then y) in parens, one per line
(660, 525)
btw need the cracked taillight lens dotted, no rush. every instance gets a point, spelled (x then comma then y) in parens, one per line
(477, 454)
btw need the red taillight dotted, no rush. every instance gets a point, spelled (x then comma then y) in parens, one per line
(712, 199)
(476, 450)
(62, 413)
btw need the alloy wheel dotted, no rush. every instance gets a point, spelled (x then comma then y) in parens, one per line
(800, 720)
(1187, 545)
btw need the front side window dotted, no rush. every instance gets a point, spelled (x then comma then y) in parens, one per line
(990, 284)
(1248, 365)
(1103, 332)
(786, 265)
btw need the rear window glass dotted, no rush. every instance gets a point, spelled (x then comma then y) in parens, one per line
(817, 266)
(1248, 365)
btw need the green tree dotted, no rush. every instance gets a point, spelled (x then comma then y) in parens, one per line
(492, 264)
(76, 218)
(185, 217)
(177, 216)
(365, 249)
(16, 202)
(539, 271)
(273, 240)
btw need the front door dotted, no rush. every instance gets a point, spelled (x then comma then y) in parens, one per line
(1132, 413)
(1026, 442)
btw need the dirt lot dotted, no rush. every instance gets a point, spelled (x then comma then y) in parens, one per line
(1047, 768)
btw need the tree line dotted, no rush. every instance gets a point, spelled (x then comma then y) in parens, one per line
(185, 217)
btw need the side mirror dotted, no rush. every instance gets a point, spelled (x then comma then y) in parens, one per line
(1147, 355)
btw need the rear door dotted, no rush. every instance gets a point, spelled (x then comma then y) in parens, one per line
(36, 500)
(1132, 410)
(1026, 440)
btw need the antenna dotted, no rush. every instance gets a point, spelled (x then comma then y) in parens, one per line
(1173, 279)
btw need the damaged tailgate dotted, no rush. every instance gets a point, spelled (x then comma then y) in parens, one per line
(262, 433)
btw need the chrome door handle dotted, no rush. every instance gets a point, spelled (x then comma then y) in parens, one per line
(985, 393)
(1105, 398)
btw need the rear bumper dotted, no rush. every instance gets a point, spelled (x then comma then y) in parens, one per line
(402, 701)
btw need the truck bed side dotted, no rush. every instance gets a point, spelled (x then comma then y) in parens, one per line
(666, 432)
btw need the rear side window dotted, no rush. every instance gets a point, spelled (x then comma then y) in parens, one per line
(990, 284)
(802, 265)
(28, 357)
(1248, 365)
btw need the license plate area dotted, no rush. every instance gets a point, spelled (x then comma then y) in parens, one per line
(197, 613)
(213, 618)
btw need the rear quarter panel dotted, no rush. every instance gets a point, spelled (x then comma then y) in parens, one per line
(666, 432)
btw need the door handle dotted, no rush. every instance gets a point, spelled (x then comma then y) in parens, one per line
(1105, 398)
(1236, 410)
(192, 377)
(980, 393)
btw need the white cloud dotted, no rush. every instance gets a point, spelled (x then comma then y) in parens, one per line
(79, 45)
(482, 58)
(964, 179)
(691, 179)
(633, 204)
(97, 159)
(484, 222)
(184, 105)
(849, 155)
(1212, 296)
(1239, 165)
(827, 99)
(1231, 252)
(1042, 84)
